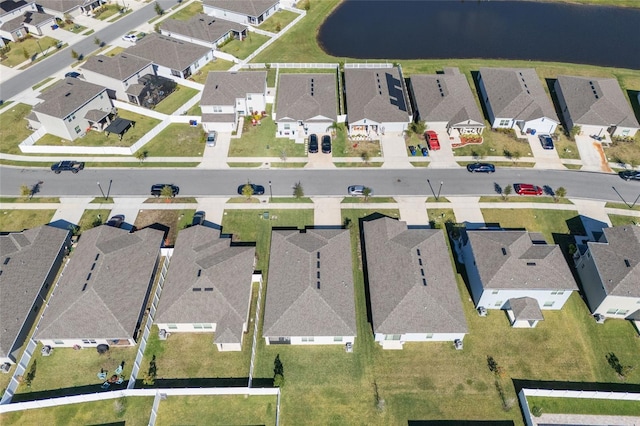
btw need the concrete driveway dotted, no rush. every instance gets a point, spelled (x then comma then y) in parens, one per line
(545, 158)
(442, 158)
(592, 154)
(394, 151)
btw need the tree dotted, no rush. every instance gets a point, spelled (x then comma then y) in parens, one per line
(298, 190)
(366, 193)
(615, 363)
(334, 128)
(575, 131)
(25, 53)
(166, 192)
(74, 54)
(365, 157)
(247, 190)
(97, 41)
(559, 193)
(25, 191)
(278, 372)
(31, 374)
(159, 10)
(141, 155)
(418, 127)
(507, 191)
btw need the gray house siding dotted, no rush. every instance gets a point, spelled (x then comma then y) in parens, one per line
(564, 110)
(591, 282)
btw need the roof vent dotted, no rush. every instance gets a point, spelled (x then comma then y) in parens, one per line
(100, 60)
(97, 256)
(84, 287)
(627, 263)
(6, 261)
(318, 255)
(422, 272)
(424, 282)
(504, 251)
(318, 285)
(199, 272)
(318, 275)
(93, 266)
(318, 265)
(531, 263)
(89, 276)
(418, 252)
(208, 289)
(67, 94)
(197, 289)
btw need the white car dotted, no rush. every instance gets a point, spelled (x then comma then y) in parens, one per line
(130, 37)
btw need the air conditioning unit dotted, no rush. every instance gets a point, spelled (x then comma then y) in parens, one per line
(348, 347)
(162, 334)
(482, 311)
(599, 318)
(457, 344)
(5, 367)
(46, 350)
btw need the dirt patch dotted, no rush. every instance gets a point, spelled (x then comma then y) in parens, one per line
(604, 163)
(168, 221)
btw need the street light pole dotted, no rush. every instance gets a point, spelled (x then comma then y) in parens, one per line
(270, 192)
(439, 189)
(38, 41)
(109, 190)
(432, 191)
(101, 191)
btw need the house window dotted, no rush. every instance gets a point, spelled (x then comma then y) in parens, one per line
(307, 339)
(495, 292)
(172, 326)
(217, 109)
(337, 338)
(58, 342)
(392, 337)
(287, 126)
(498, 303)
(548, 304)
(207, 326)
(553, 293)
(248, 97)
(77, 129)
(69, 120)
(615, 311)
(429, 335)
(197, 326)
(88, 341)
(504, 123)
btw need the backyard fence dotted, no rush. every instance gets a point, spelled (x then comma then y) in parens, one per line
(368, 65)
(255, 331)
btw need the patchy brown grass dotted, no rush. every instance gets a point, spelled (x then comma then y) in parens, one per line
(170, 221)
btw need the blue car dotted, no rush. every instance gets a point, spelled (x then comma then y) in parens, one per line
(481, 168)
(546, 141)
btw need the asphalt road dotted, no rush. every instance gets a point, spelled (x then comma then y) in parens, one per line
(195, 182)
(62, 59)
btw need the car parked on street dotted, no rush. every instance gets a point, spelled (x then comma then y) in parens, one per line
(432, 140)
(130, 38)
(527, 189)
(198, 218)
(73, 74)
(481, 168)
(256, 189)
(116, 221)
(67, 166)
(326, 144)
(358, 190)
(156, 190)
(630, 175)
(546, 141)
(211, 138)
(313, 143)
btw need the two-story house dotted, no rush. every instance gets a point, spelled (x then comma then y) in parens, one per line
(120, 74)
(18, 18)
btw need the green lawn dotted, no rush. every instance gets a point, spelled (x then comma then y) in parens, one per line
(18, 220)
(108, 11)
(187, 12)
(13, 128)
(171, 103)
(585, 406)
(242, 49)
(619, 220)
(92, 218)
(34, 200)
(623, 206)
(177, 140)
(566, 148)
(439, 217)
(278, 21)
(218, 65)
(520, 199)
(289, 200)
(29, 45)
(548, 222)
(496, 143)
(42, 83)
(342, 147)
(218, 410)
(624, 152)
(195, 110)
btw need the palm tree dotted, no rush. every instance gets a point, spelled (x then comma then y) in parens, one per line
(298, 190)
(247, 191)
(559, 193)
(166, 192)
(366, 193)
(506, 191)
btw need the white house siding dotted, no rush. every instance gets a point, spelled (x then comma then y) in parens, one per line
(115, 89)
(318, 340)
(167, 72)
(618, 306)
(217, 109)
(497, 299)
(15, 35)
(288, 128)
(225, 14)
(187, 327)
(540, 125)
(86, 343)
(219, 127)
(211, 45)
(229, 347)
(319, 127)
(624, 131)
(419, 337)
(253, 102)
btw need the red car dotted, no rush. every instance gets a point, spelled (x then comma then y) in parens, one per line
(432, 140)
(527, 189)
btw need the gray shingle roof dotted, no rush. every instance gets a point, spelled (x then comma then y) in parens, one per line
(7, 6)
(66, 97)
(202, 27)
(203, 260)
(526, 309)
(63, 5)
(377, 94)
(168, 52)
(120, 266)
(306, 96)
(445, 97)
(596, 101)
(246, 7)
(223, 88)
(295, 306)
(31, 255)
(517, 93)
(120, 67)
(218, 118)
(13, 24)
(36, 18)
(398, 259)
(622, 246)
(511, 260)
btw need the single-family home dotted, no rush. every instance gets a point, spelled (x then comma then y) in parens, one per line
(103, 294)
(597, 105)
(30, 261)
(514, 97)
(171, 57)
(445, 101)
(72, 107)
(62, 8)
(516, 271)
(377, 101)
(305, 104)
(204, 30)
(252, 12)
(18, 18)
(310, 296)
(208, 288)
(120, 74)
(609, 270)
(412, 286)
(227, 96)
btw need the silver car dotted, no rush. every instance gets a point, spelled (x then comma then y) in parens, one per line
(211, 138)
(358, 190)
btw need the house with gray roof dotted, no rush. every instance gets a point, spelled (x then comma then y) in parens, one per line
(119, 74)
(310, 296)
(412, 286)
(18, 18)
(60, 8)
(305, 104)
(445, 101)
(377, 101)
(227, 96)
(506, 265)
(609, 270)
(515, 98)
(208, 288)
(72, 107)
(103, 294)
(171, 57)
(204, 30)
(597, 105)
(251, 12)
(30, 262)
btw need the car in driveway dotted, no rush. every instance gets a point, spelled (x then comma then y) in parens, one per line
(156, 189)
(256, 189)
(67, 166)
(73, 74)
(630, 174)
(131, 38)
(326, 144)
(358, 190)
(198, 218)
(481, 168)
(116, 221)
(211, 138)
(432, 140)
(313, 143)
(527, 189)
(546, 141)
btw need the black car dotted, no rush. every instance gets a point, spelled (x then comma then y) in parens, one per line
(257, 189)
(546, 141)
(116, 221)
(156, 190)
(64, 166)
(313, 144)
(198, 218)
(72, 74)
(326, 144)
(481, 168)
(630, 175)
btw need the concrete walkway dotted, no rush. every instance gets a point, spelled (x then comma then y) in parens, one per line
(413, 210)
(583, 419)
(327, 211)
(467, 210)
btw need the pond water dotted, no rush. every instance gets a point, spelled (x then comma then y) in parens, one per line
(434, 29)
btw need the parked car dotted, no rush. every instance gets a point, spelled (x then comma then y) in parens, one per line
(198, 218)
(527, 189)
(313, 143)
(481, 168)
(64, 166)
(116, 221)
(546, 141)
(73, 74)
(326, 144)
(130, 38)
(432, 140)
(156, 190)
(630, 175)
(211, 138)
(256, 189)
(357, 190)
(412, 150)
